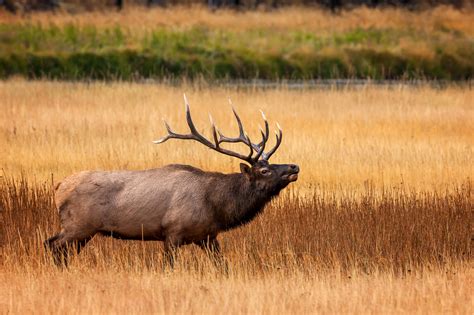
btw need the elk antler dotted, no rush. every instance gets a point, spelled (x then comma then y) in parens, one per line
(265, 135)
(219, 138)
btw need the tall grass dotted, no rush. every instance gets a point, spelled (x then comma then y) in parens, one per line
(417, 138)
(395, 231)
(439, 19)
(379, 221)
(400, 252)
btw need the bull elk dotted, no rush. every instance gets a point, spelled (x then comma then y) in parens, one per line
(176, 204)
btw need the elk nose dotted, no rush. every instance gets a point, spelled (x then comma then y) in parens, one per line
(294, 168)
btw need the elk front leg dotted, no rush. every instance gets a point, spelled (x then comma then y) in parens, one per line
(213, 249)
(171, 251)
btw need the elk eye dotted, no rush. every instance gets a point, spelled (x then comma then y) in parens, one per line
(264, 171)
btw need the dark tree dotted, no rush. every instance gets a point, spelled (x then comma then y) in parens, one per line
(41, 5)
(151, 3)
(214, 4)
(335, 5)
(9, 5)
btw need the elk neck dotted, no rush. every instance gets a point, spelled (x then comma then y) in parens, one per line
(235, 200)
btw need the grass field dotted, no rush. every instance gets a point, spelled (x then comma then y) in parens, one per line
(292, 43)
(292, 18)
(378, 222)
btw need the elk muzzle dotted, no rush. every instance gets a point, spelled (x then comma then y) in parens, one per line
(291, 173)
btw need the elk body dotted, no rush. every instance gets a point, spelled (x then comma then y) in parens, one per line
(176, 204)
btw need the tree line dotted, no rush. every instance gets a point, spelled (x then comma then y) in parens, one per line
(334, 5)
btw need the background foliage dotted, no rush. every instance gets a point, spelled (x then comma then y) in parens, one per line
(288, 44)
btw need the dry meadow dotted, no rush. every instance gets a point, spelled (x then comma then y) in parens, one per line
(380, 220)
(138, 19)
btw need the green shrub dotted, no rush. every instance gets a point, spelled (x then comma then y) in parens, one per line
(76, 53)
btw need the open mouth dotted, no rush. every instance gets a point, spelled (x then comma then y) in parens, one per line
(293, 177)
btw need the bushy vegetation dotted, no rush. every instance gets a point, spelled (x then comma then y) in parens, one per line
(88, 52)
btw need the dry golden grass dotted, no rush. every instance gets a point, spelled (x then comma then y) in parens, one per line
(86, 292)
(418, 137)
(400, 252)
(305, 19)
(379, 221)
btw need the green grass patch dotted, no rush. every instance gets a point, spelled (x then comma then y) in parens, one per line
(72, 52)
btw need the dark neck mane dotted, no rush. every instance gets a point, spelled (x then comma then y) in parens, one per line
(235, 200)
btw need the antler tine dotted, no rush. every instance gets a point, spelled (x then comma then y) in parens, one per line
(261, 145)
(265, 135)
(239, 122)
(171, 134)
(247, 138)
(214, 131)
(163, 139)
(191, 126)
(242, 136)
(195, 135)
(267, 130)
(279, 136)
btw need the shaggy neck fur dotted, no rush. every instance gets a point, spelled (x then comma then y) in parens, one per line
(236, 200)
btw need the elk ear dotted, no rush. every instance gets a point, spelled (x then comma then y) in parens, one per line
(245, 169)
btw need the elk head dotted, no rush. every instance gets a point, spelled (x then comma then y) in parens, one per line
(265, 177)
